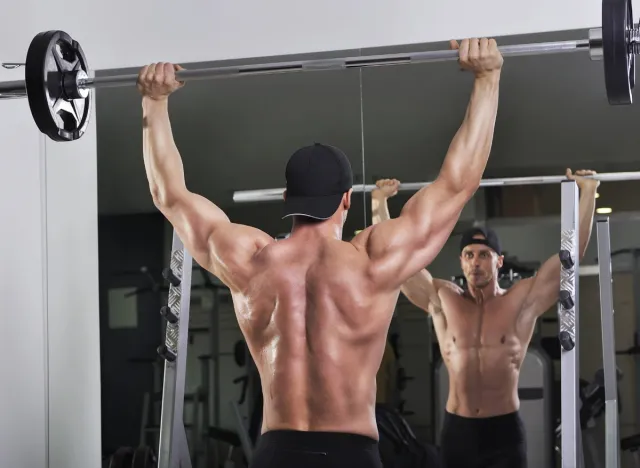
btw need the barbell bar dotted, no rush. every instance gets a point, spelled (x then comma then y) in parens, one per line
(58, 84)
(18, 88)
(263, 195)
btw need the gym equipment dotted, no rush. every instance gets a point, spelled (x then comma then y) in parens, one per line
(535, 392)
(128, 457)
(261, 195)
(593, 404)
(173, 448)
(608, 379)
(398, 445)
(568, 318)
(58, 84)
(632, 444)
(121, 458)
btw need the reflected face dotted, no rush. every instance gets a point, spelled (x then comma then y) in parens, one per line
(480, 264)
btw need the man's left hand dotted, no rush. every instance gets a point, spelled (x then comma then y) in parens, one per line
(581, 179)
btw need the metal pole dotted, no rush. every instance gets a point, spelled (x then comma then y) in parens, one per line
(248, 196)
(174, 450)
(568, 318)
(612, 440)
(18, 89)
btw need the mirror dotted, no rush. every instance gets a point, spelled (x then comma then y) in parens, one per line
(391, 122)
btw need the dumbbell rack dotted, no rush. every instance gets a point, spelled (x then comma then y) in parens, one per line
(173, 450)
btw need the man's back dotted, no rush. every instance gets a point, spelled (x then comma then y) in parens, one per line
(307, 305)
(317, 332)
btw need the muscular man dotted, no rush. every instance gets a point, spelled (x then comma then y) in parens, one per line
(483, 333)
(315, 310)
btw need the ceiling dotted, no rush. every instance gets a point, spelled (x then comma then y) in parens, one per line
(236, 134)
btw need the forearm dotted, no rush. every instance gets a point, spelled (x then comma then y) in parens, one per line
(586, 211)
(379, 208)
(470, 148)
(468, 153)
(162, 160)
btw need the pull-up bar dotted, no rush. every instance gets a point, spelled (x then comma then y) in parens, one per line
(261, 195)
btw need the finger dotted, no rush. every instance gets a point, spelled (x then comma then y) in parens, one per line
(151, 70)
(484, 47)
(474, 49)
(464, 51)
(142, 74)
(158, 76)
(454, 45)
(169, 74)
(493, 46)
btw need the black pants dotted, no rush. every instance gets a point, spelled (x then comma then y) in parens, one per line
(292, 449)
(496, 442)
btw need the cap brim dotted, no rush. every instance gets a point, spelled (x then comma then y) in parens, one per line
(313, 207)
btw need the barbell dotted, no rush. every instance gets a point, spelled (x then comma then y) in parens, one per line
(57, 80)
(276, 194)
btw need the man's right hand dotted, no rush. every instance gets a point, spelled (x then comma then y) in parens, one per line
(158, 80)
(481, 56)
(386, 188)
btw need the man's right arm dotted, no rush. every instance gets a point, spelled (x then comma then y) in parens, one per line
(399, 248)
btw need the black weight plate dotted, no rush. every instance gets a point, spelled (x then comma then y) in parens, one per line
(122, 458)
(143, 458)
(52, 57)
(619, 61)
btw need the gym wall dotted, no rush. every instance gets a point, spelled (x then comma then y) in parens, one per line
(50, 393)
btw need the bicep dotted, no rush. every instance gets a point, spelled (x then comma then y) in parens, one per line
(401, 247)
(420, 290)
(544, 288)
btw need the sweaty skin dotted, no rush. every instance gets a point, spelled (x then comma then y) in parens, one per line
(315, 310)
(484, 332)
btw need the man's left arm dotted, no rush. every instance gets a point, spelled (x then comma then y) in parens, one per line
(224, 248)
(543, 289)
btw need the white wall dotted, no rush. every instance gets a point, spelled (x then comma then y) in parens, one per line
(73, 322)
(23, 392)
(50, 395)
(200, 30)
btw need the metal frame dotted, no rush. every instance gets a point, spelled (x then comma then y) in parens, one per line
(261, 195)
(173, 448)
(571, 436)
(612, 438)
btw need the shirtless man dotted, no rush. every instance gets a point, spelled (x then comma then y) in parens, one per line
(484, 333)
(315, 310)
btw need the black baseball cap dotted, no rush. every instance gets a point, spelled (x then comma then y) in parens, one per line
(491, 239)
(317, 177)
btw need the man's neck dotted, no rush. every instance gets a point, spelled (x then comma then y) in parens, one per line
(322, 229)
(485, 293)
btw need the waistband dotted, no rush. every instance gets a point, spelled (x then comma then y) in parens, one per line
(317, 441)
(508, 426)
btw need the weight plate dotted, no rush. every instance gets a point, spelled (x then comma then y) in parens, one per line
(143, 458)
(619, 59)
(54, 63)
